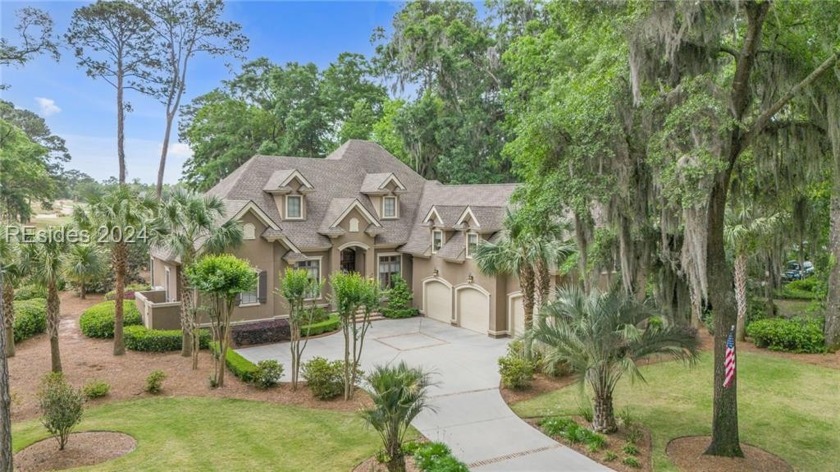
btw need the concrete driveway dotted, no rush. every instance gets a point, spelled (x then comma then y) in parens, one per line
(470, 415)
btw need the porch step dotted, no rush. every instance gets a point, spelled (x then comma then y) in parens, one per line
(373, 317)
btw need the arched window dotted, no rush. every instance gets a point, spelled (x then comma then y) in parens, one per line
(248, 231)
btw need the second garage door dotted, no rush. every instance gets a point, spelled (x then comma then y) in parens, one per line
(437, 301)
(472, 308)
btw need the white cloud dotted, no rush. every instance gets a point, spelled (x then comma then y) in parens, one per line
(48, 106)
(179, 151)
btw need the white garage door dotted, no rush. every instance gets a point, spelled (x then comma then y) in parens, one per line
(473, 309)
(517, 315)
(437, 301)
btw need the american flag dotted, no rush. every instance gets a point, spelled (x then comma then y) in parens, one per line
(729, 359)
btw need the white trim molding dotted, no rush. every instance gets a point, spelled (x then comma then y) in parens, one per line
(468, 211)
(357, 205)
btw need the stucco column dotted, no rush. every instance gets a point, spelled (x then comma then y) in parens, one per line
(370, 263)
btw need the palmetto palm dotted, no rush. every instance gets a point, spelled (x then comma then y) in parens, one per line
(186, 224)
(120, 215)
(12, 274)
(399, 394)
(745, 232)
(527, 251)
(600, 336)
(84, 263)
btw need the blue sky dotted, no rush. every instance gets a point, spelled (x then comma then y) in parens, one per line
(82, 110)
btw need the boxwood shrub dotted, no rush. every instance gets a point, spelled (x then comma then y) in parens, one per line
(330, 324)
(793, 335)
(30, 318)
(242, 368)
(98, 320)
(140, 338)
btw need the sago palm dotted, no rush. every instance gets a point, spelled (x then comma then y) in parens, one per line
(601, 336)
(399, 394)
(84, 263)
(186, 224)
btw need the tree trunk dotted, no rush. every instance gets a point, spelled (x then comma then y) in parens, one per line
(163, 152)
(82, 291)
(120, 122)
(542, 284)
(741, 294)
(603, 417)
(396, 463)
(832, 309)
(9, 318)
(119, 254)
(186, 312)
(526, 283)
(580, 240)
(53, 320)
(6, 457)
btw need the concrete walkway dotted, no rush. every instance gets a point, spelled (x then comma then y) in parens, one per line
(469, 413)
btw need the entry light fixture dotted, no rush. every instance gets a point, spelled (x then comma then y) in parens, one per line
(435, 272)
(470, 279)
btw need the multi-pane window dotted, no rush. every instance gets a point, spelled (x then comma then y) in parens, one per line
(472, 243)
(437, 240)
(389, 207)
(250, 298)
(389, 267)
(313, 268)
(294, 207)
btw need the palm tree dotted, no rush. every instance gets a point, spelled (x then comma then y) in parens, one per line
(84, 263)
(745, 232)
(120, 215)
(12, 275)
(399, 394)
(527, 251)
(186, 224)
(43, 262)
(600, 336)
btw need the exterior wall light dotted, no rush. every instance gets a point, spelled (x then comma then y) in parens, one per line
(470, 279)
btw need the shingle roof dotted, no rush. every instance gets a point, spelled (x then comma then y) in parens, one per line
(454, 249)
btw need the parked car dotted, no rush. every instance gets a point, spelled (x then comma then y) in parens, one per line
(793, 271)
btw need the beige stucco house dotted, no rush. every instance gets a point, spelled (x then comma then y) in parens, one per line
(358, 209)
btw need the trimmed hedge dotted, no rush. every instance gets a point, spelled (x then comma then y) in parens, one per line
(29, 292)
(803, 335)
(98, 320)
(140, 338)
(330, 324)
(242, 368)
(261, 332)
(30, 318)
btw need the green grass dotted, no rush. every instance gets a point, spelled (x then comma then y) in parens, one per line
(224, 434)
(789, 408)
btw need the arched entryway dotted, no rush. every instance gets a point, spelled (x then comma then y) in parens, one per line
(352, 259)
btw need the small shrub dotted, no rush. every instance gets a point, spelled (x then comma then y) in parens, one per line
(96, 389)
(517, 372)
(319, 314)
(808, 284)
(631, 461)
(240, 367)
(610, 456)
(28, 292)
(332, 323)
(261, 332)
(793, 335)
(630, 448)
(154, 382)
(30, 318)
(140, 338)
(595, 442)
(586, 412)
(268, 373)
(61, 406)
(399, 300)
(634, 435)
(556, 426)
(324, 378)
(98, 320)
(437, 457)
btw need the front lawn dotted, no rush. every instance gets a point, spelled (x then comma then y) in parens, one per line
(224, 434)
(789, 408)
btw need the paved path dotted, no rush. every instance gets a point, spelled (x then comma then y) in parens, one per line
(470, 415)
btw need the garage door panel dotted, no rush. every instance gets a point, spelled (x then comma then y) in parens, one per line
(437, 301)
(473, 309)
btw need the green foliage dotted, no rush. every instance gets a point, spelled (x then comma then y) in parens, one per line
(98, 320)
(808, 284)
(96, 389)
(61, 406)
(324, 378)
(268, 373)
(794, 292)
(129, 291)
(154, 382)
(610, 456)
(140, 338)
(517, 371)
(239, 366)
(585, 411)
(793, 335)
(399, 300)
(28, 292)
(332, 323)
(25, 175)
(30, 318)
(632, 462)
(225, 275)
(437, 457)
(630, 448)
(569, 429)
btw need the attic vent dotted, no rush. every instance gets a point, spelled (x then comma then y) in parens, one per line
(354, 225)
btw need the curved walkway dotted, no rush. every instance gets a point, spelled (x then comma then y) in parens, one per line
(469, 413)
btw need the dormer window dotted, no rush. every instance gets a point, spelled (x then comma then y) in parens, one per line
(390, 209)
(472, 244)
(437, 240)
(294, 207)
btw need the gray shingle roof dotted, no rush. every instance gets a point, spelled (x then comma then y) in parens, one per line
(454, 249)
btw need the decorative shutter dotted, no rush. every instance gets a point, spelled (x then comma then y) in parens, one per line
(263, 287)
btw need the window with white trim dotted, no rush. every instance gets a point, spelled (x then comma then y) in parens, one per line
(252, 297)
(472, 244)
(389, 207)
(437, 240)
(313, 269)
(389, 267)
(294, 207)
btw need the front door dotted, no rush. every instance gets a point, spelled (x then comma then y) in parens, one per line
(348, 260)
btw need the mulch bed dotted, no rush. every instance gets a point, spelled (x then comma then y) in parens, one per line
(371, 464)
(540, 385)
(687, 454)
(85, 359)
(82, 449)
